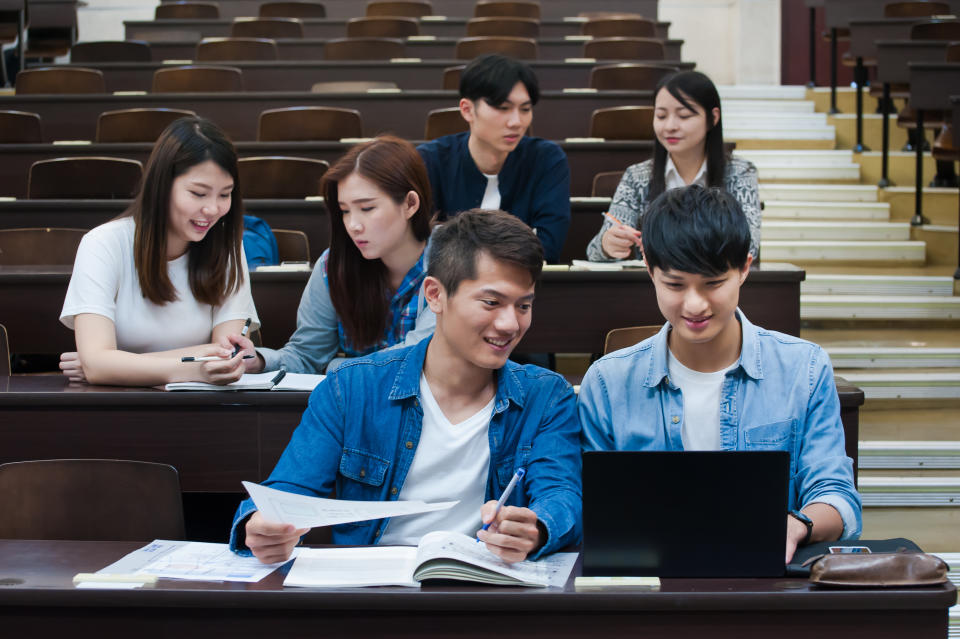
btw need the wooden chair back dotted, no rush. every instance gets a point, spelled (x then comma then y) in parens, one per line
(293, 246)
(279, 177)
(4, 352)
(187, 11)
(20, 127)
(351, 86)
(442, 122)
(519, 48)
(629, 76)
(939, 30)
(136, 125)
(408, 9)
(83, 177)
(233, 49)
(451, 77)
(915, 9)
(39, 247)
(292, 10)
(953, 52)
(383, 27)
(60, 80)
(271, 28)
(489, 8)
(605, 184)
(308, 123)
(364, 49)
(503, 26)
(622, 123)
(620, 27)
(90, 499)
(625, 337)
(197, 78)
(624, 49)
(111, 51)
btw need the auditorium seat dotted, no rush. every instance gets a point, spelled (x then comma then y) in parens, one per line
(409, 9)
(915, 9)
(20, 127)
(4, 352)
(82, 177)
(60, 80)
(278, 177)
(364, 49)
(111, 51)
(519, 48)
(292, 10)
(620, 27)
(441, 122)
(625, 337)
(39, 247)
(351, 86)
(629, 76)
(293, 246)
(231, 49)
(382, 27)
(503, 26)
(622, 123)
(136, 125)
(938, 30)
(197, 79)
(90, 499)
(605, 184)
(624, 49)
(451, 77)
(297, 123)
(187, 11)
(272, 28)
(489, 8)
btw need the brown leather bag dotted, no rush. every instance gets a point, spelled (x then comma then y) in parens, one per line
(879, 570)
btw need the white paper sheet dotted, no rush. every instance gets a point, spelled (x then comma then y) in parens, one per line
(308, 512)
(354, 567)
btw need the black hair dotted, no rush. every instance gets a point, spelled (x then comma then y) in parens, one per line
(492, 77)
(695, 230)
(692, 89)
(457, 244)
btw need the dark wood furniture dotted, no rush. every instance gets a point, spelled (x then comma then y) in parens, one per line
(46, 245)
(84, 177)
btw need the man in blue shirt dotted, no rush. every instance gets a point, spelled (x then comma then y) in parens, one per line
(496, 166)
(449, 418)
(711, 380)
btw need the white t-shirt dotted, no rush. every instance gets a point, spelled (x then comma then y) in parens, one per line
(105, 282)
(451, 462)
(491, 196)
(672, 179)
(701, 404)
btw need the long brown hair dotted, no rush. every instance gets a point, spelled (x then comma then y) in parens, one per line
(359, 288)
(214, 263)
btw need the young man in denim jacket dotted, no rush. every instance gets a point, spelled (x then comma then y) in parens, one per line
(449, 418)
(711, 380)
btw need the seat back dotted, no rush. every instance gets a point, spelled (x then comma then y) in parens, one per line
(111, 51)
(292, 10)
(488, 8)
(605, 184)
(230, 49)
(382, 27)
(20, 127)
(519, 48)
(628, 76)
(622, 123)
(136, 125)
(503, 26)
(351, 86)
(442, 122)
(624, 337)
(272, 28)
(187, 11)
(197, 79)
(953, 52)
(915, 9)
(624, 49)
(280, 177)
(409, 9)
(84, 178)
(308, 123)
(90, 499)
(4, 352)
(939, 30)
(363, 49)
(39, 246)
(60, 80)
(293, 246)
(620, 27)
(451, 77)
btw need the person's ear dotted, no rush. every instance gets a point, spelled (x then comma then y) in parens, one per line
(746, 269)
(715, 114)
(411, 204)
(467, 109)
(434, 293)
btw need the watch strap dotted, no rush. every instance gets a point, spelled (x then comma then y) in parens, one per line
(806, 521)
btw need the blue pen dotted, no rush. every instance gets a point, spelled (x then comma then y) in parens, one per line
(506, 495)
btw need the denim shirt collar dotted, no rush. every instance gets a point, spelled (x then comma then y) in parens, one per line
(407, 381)
(749, 353)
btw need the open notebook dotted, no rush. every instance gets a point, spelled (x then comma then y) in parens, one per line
(274, 381)
(440, 555)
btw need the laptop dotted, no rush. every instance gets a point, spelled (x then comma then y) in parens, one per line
(685, 514)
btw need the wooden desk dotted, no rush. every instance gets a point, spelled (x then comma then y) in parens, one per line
(69, 117)
(38, 599)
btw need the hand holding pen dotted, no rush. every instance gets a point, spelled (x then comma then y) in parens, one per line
(510, 532)
(620, 239)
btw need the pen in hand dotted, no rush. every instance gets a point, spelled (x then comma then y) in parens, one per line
(505, 496)
(617, 222)
(243, 333)
(212, 358)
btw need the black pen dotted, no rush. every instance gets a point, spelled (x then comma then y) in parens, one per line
(243, 333)
(211, 358)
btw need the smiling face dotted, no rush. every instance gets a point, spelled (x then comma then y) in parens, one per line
(679, 129)
(377, 225)
(198, 199)
(499, 129)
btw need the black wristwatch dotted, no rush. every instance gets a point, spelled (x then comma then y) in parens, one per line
(806, 521)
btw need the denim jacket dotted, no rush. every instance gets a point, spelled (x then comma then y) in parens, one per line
(780, 396)
(361, 428)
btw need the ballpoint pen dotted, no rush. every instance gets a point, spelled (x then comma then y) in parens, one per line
(506, 495)
(243, 333)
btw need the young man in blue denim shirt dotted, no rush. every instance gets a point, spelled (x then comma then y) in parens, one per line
(711, 380)
(448, 418)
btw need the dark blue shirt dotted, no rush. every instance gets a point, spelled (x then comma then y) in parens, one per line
(534, 184)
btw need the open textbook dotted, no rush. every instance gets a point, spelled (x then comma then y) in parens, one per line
(439, 555)
(274, 381)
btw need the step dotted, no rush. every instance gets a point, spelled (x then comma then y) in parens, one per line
(833, 193)
(826, 173)
(772, 116)
(803, 210)
(901, 385)
(836, 231)
(762, 92)
(842, 284)
(736, 106)
(898, 491)
(920, 455)
(879, 307)
(905, 252)
(796, 158)
(778, 132)
(888, 357)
